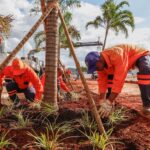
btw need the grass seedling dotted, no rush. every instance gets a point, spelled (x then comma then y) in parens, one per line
(88, 122)
(90, 131)
(117, 116)
(59, 129)
(47, 110)
(52, 138)
(2, 111)
(4, 142)
(43, 141)
(100, 141)
(22, 122)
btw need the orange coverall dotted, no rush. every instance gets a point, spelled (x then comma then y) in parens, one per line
(120, 59)
(25, 80)
(59, 81)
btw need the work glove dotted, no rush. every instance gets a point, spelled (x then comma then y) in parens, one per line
(105, 108)
(36, 104)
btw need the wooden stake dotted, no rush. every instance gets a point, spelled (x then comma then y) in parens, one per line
(91, 101)
(43, 9)
(66, 77)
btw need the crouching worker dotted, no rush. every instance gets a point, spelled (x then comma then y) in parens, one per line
(60, 83)
(115, 62)
(24, 80)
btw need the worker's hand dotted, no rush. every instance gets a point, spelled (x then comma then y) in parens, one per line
(105, 108)
(36, 104)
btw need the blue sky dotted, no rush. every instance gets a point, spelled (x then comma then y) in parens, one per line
(139, 8)
(23, 22)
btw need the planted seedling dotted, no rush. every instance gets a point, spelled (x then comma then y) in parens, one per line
(117, 116)
(46, 110)
(88, 122)
(22, 121)
(2, 111)
(4, 142)
(97, 140)
(52, 138)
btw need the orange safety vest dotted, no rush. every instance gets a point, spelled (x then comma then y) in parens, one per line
(119, 59)
(28, 78)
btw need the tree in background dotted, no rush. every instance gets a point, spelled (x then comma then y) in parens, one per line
(5, 26)
(5, 23)
(40, 37)
(113, 17)
(65, 4)
(84, 69)
(74, 33)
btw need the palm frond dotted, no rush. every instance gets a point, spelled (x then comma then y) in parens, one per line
(39, 38)
(5, 22)
(75, 34)
(65, 4)
(122, 4)
(96, 22)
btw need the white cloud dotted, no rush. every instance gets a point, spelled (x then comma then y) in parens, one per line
(14, 7)
(140, 37)
(88, 12)
(23, 22)
(85, 13)
(138, 20)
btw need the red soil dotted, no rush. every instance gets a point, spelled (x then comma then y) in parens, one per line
(135, 132)
(130, 96)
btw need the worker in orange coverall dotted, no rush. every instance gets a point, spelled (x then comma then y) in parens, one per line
(24, 80)
(112, 65)
(60, 83)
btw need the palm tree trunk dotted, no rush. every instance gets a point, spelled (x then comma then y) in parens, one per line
(106, 34)
(50, 89)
